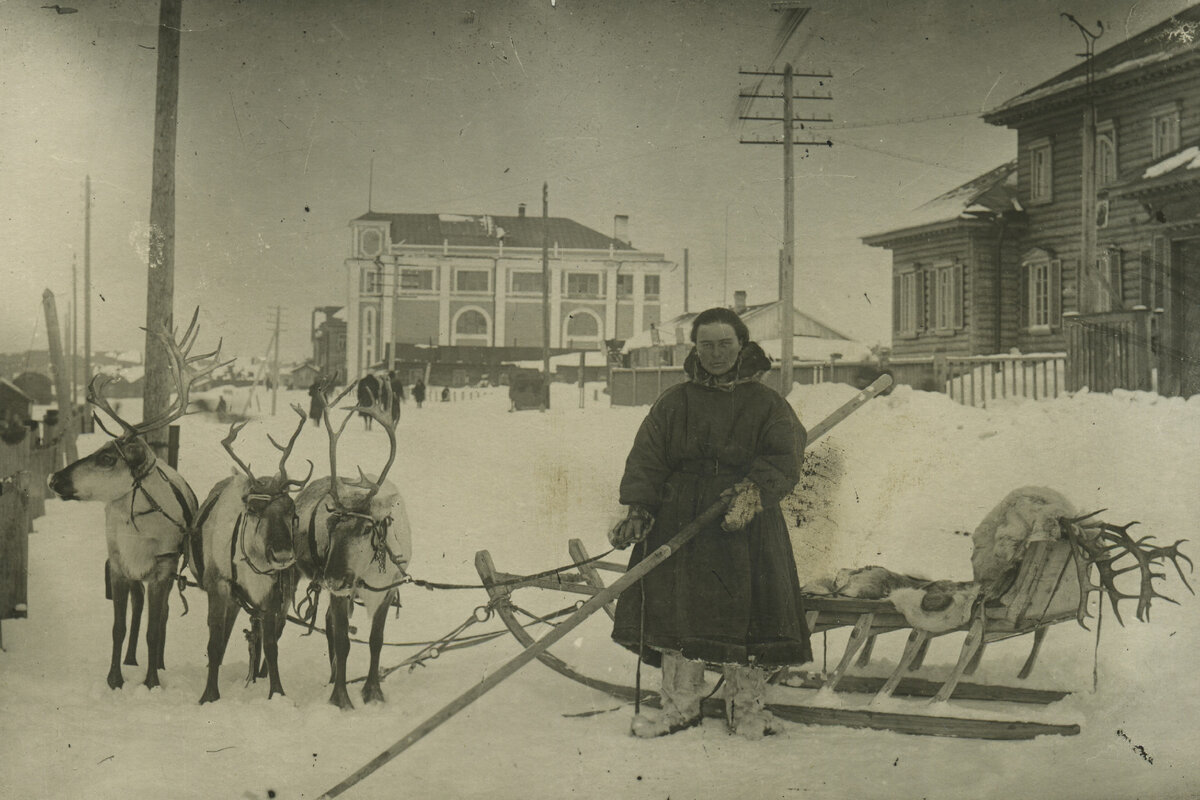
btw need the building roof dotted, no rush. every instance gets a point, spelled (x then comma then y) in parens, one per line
(1166, 44)
(1172, 172)
(11, 387)
(485, 230)
(980, 198)
(805, 325)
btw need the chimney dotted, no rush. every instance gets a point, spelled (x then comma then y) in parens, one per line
(621, 228)
(520, 209)
(739, 301)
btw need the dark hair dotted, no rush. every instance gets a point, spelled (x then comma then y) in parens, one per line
(721, 315)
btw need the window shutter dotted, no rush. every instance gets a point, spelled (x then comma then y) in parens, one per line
(1145, 278)
(1116, 280)
(896, 289)
(919, 300)
(1055, 294)
(1023, 305)
(1161, 266)
(957, 297)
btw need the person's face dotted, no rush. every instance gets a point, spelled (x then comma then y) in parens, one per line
(717, 346)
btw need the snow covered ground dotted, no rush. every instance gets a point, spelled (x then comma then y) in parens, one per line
(917, 470)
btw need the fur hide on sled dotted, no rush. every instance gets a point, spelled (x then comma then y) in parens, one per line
(1027, 515)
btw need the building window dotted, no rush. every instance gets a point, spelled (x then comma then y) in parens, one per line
(583, 284)
(472, 280)
(371, 242)
(1041, 172)
(948, 297)
(1043, 307)
(372, 282)
(1164, 131)
(1106, 153)
(416, 280)
(651, 286)
(368, 336)
(908, 302)
(527, 283)
(624, 286)
(1108, 268)
(583, 329)
(471, 324)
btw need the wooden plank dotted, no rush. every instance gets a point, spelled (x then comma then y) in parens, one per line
(579, 555)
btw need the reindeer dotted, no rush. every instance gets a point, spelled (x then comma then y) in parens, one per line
(242, 554)
(148, 506)
(355, 542)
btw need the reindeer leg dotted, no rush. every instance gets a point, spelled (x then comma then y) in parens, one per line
(372, 692)
(119, 586)
(254, 640)
(137, 594)
(339, 609)
(158, 599)
(273, 621)
(222, 612)
(330, 639)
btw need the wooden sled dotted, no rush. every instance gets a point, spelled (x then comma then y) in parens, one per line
(1029, 606)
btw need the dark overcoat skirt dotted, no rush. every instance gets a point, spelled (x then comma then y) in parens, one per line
(725, 597)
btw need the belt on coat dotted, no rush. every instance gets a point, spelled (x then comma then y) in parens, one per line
(708, 466)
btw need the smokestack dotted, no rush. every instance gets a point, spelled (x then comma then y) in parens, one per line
(520, 209)
(739, 301)
(621, 228)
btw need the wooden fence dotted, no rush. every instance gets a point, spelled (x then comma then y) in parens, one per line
(1109, 351)
(24, 468)
(978, 380)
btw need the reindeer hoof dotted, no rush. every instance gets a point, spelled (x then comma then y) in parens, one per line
(372, 693)
(210, 696)
(151, 681)
(275, 690)
(341, 699)
(115, 680)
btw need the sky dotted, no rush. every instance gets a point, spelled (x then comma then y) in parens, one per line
(620, 106)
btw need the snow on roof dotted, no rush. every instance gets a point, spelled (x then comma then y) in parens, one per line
(810, 348)
(1189, 158)
(592, 358)
(990, 193)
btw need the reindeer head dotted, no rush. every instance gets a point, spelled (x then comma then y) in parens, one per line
(120, 465)
(363, 546)
(268, 518)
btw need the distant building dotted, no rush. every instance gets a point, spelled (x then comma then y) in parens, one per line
(301, 377)
(471, 287)
(37, 386)
(16, 407)
(669, 342)
(329, 342)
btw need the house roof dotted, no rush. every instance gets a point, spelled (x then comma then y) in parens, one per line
(807, 326)
(1171, 172)
(485, 230)
(1165, 45)
(14, 389)
(980, 198)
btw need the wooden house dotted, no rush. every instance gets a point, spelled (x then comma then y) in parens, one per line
(1103, 256)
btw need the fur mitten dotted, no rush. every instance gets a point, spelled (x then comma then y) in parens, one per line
(744, 503)
(634, 528)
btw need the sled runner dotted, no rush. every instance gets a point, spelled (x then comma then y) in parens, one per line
(501, 587)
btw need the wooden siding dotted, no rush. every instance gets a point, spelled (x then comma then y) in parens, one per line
(925, 252)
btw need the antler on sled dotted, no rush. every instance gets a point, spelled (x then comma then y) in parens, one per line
(1104, 546)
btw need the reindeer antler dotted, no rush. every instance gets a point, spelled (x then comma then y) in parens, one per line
(95, 396)
(185, 375)
(384, 422)
(1104, 545)
(334, 436)
(227, 443)
(287, 451)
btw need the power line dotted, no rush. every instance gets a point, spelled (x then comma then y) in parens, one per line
(906, 121)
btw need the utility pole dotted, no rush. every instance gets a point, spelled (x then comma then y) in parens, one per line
(787, 259)
(685, 280)
(275, 364)
(87, 290)
(1093, 288)
(66, 411)
(74, 329)
(160, 283)
(546, 294)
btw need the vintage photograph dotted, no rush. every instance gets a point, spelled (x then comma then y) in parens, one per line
(600, 398)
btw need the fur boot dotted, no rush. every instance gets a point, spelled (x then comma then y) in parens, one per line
(682, 691)
(745, 701)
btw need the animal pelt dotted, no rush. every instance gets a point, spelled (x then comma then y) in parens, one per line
(1029, 514)
(939, 606)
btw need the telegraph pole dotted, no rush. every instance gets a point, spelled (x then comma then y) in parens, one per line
(87, 290)
(546, 294)
(275, 364)
(787, 258)
(74, 329)
(160, 283)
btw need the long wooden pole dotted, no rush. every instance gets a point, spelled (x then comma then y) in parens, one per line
(597, 602)
(787, 273)
(546, 295)
(87, 289)
(66, 421)
(160, 280)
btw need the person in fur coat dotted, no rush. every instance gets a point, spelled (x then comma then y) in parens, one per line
(731, 595)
